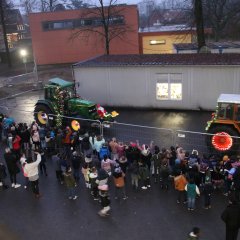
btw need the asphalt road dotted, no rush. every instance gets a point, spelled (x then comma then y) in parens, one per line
(151, 214)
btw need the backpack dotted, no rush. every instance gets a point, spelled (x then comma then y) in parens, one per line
(104, 151)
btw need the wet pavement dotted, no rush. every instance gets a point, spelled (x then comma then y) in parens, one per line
(151, 214)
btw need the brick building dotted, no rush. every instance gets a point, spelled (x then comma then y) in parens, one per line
(51, 34)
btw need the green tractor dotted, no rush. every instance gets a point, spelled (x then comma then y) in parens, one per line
(224, 127)
(62, 107)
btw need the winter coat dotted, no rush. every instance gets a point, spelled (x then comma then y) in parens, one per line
(98, 144)
(143, 172)
(208, 189)
(25, 136)
(236, 179)
(121, 150)
(106, 164)
(231, 216)
(102, 177)
(123, 163)
(56, 162)
(118, 179)
(16, 143)
(69, 180)
(85, 144)
(180, 183)
(11, 162)
(156, 159)
(76, 161)
(114, 146)
(192, 190)
(134, 168)
(31, 169)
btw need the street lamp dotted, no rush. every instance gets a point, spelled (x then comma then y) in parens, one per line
(23, 54)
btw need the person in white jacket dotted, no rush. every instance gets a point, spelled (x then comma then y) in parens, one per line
(31, 170)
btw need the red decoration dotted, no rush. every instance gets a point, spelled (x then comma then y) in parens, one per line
(222, 141)
(101, 111)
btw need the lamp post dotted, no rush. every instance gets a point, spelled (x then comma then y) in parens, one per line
(23, 54)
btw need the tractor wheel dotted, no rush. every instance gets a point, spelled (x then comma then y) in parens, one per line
(223, 139)
(41, 115)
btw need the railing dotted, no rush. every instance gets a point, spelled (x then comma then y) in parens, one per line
(126, 133)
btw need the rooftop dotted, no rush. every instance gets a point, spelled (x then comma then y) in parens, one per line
(212, 45)
(60, 82)
(162, 60)
(229, 98)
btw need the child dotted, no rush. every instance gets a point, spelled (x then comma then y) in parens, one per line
(192, 191)
(144, 175)
(57, 165)
(165, 172)
(70, 184)
(104, 199)
(86, 172)
(118, 177)
(94, 186)
(207, 191)
(106, 164)
(180, 182)
(134, 170)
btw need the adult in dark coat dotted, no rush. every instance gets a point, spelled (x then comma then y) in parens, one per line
(13, 169)
(236, 183)
(231, 217)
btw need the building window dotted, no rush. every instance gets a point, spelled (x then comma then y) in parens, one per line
(77, 23)
(169, 87)
(157, 42)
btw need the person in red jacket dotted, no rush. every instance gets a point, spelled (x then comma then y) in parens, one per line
(17, 146)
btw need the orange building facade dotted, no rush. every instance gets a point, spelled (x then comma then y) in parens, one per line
(52, 31)
(163, 42)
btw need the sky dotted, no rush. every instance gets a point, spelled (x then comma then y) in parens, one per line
(17, 2)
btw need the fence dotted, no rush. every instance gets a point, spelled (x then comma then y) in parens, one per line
(13, 86)
(144, 134)
(26, 78)
(162, 137)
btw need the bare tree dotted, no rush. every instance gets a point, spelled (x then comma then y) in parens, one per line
(198, 16)
(76, 4)
(4, 6)
(106, 22)
(220, 14)
(29, 5)
(50, 5)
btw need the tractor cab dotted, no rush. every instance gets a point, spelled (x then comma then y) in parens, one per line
(225, 124)
(59, 88)
(229, 107)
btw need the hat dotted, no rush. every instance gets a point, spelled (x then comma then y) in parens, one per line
(74, 153)
(103, 187)
(194, 151)
(117, 170)
(88, 159)
(93, 175)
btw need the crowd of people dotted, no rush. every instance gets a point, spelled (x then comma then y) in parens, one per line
(29, 147)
